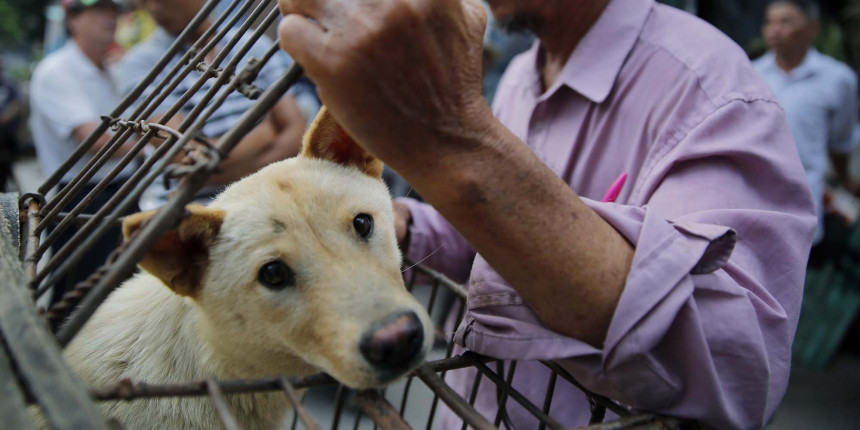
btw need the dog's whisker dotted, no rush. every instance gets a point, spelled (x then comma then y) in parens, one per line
(422, 260)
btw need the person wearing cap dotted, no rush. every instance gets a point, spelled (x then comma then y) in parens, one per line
(818, 93)
(70, 90)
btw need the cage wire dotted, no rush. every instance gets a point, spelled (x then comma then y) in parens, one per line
(237, 29)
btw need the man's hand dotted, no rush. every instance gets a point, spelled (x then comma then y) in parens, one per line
(841, 163)
(394, 72)
(276, 138)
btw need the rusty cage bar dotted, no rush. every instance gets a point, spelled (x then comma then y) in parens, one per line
(130, 124)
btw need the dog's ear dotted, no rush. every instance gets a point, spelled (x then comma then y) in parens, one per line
(181, 256)
(328, 141)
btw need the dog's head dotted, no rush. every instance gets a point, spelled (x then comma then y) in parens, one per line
(300, 260)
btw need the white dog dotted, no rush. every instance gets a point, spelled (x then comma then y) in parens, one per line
(290, 271)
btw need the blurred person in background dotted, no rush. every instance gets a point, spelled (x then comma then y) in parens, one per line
(276, 138)
(10, 119)
(638, 208)
(818, 94)
(500, 47)
(70, 90)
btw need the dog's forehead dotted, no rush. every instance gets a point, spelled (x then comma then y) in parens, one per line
(301, 187)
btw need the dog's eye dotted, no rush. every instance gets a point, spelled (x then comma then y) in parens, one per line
(276, 275)
(363, 224)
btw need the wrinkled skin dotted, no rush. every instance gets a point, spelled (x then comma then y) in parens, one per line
(441, 71)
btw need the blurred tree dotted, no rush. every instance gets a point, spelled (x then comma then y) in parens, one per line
(850, 21)
(22, 20)
(740, 19)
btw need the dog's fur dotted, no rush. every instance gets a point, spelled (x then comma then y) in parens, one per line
(199, 311)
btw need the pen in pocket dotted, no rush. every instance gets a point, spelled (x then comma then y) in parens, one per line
(615, 189)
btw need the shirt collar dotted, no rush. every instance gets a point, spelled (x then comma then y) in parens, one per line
(809, 65)
(594, 65)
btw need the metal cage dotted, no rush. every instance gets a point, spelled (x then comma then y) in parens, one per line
(31, 367)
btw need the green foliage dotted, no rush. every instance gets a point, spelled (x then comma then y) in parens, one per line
(830, 40)
(10, 28)
(22, 20)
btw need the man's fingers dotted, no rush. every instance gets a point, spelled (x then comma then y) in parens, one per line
(476, 12)
(302, 39)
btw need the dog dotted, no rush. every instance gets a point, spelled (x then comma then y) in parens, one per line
(291, 271)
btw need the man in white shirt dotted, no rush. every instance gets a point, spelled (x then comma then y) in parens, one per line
(71, 89)
(817, 92)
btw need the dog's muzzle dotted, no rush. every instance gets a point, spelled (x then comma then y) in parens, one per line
(394, 343)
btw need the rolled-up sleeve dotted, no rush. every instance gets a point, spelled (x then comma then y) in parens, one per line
(703, 329)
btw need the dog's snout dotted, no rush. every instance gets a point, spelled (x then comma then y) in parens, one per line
(393, 342)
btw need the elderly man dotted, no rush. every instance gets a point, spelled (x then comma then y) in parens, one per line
(818, 93)
(678, 294)
(276, 138)
(69, 92)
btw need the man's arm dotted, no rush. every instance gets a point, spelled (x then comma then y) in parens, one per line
(290, 125)
(277, 138)
(83, 131)
(841, 163)
(433, 125)
(521, 218)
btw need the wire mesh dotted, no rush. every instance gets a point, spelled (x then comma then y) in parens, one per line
(132, 123)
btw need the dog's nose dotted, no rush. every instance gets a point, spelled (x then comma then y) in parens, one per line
(393, 342)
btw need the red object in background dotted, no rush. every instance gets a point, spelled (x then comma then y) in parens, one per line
(115, 52)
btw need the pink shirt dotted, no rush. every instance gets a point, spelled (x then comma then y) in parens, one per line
(716, 204)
